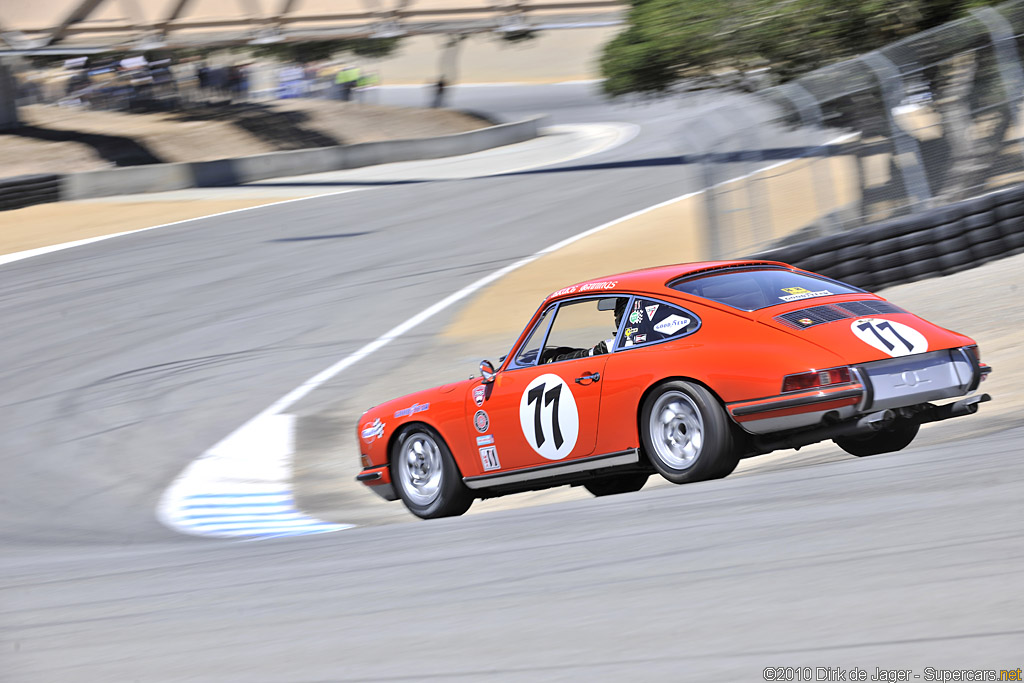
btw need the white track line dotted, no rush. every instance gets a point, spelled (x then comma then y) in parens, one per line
(29, 253)
(256, 457)
(620, 134)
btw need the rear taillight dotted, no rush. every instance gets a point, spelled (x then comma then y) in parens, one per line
(815, 379)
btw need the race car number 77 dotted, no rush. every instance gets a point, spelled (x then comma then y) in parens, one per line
(893, 338)
(877, 329)
(550, 397)
(549, 417)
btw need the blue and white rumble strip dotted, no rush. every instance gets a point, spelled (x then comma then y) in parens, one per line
(241, 488)
(249, 514)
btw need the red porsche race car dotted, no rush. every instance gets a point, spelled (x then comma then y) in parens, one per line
(681, 370)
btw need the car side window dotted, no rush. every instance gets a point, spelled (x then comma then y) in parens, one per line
(649, 321)
(531, 347)
(585, 327)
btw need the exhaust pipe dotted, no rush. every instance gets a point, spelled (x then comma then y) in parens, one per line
(868, 423)
(871, 423)
(966, 406)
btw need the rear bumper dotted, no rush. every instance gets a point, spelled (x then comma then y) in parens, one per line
(888, 384)
(796, 410)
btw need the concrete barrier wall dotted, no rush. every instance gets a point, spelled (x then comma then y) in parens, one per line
(932, 243)
(225, 172)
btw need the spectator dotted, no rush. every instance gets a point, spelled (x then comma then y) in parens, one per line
(347, 78)
(439, 89)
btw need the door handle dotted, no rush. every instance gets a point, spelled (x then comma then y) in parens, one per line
(589, 378)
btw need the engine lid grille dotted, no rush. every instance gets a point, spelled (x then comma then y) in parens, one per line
(817, 315)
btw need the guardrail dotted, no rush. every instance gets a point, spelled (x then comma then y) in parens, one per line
(936, 242)
(227, 172)
(26, 190)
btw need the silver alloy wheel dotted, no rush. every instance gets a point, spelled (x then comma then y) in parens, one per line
(419, 468)
(677, 430)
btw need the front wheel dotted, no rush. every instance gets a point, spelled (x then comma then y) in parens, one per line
(686, 433)
(893, 438)
(426, 476)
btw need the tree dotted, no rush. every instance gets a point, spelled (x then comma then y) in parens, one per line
(667, 42)
(320, 50)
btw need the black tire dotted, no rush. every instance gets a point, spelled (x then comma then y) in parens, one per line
(894, 438)
(726, 466)
(425, 475)
(613, 485)
(686, 434)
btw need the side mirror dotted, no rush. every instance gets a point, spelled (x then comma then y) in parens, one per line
(487, 371)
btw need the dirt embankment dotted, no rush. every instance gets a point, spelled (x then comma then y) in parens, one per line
(61, 139)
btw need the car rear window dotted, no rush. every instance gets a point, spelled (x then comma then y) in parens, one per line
(650, 321)
(752, 289)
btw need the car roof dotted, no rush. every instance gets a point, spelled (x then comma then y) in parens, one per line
(654, 280)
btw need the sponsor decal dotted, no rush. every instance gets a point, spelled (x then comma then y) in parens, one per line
(589, 287)
(890, 337)
(489, 458)
(630, 331)
(640, 338)
(651, 310)
(412, 410)
(672, 324)
(481, 421)
(478, 395)
(628, 343)
(636, 316)
(549, 417)
(372, 431)
(797, 293)
(485, 440)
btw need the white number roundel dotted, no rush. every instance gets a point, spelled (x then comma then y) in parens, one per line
(893, 338)
(549, 417)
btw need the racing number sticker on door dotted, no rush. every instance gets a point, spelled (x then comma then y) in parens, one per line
(893, 338)
(549, 417)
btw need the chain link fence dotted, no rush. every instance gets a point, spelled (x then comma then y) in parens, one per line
(927, 121)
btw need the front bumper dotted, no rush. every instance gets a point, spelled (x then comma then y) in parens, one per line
(878, 386)
(378, 479)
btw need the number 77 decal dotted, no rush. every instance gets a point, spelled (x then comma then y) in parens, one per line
(893, 338)
(549, 417)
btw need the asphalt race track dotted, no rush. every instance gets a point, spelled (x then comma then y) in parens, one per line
(124, 360)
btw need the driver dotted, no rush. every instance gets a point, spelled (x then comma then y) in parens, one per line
(602, 346)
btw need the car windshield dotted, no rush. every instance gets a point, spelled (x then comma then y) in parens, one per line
(752, 289)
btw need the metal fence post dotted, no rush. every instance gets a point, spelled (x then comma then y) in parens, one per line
(907, 152)
(701, 154)
(1005, 48)
(810, 115)
(758, 213)
(8, 97)
(719, 156)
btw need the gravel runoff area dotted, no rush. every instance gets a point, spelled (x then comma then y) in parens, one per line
(56, 139)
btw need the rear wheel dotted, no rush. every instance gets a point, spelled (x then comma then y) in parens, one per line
(893, 438)
(426, 476)
(686, 434)
(622, 483)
